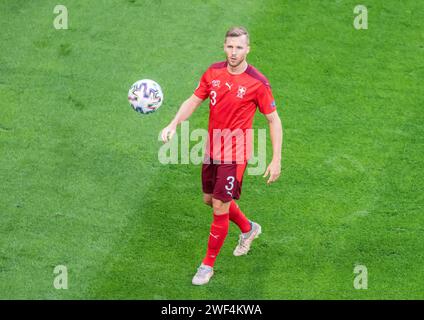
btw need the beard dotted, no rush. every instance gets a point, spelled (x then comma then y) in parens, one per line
(234, 64)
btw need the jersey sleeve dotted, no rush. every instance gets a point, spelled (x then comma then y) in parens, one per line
(265, 100)
(202, 90)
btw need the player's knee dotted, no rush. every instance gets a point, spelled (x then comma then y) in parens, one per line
(217, 205)
(207, 199)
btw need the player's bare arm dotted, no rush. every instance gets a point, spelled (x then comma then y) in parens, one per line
(185, 111)
(276, 131)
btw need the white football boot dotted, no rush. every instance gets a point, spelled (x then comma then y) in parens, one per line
(203, 275)
(246, 239)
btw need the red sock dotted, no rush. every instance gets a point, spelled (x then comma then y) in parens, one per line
(239, 218)
(219, 230)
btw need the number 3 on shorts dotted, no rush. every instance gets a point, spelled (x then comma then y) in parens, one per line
(230, 185)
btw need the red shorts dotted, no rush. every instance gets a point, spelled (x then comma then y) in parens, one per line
(223, 181)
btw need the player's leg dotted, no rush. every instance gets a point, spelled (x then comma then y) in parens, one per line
(224, 186)
(218, 230)
(205, 272)
(249, 230)
(236, 215)
(217, 234)
(220, 207)
(207, 199)
(221, 201)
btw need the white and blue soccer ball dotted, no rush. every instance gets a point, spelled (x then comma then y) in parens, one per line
(145, 96)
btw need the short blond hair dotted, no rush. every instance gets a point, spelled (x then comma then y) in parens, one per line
(237, 32)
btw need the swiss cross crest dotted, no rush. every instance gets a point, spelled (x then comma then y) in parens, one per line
(241, 91)
(216, 83)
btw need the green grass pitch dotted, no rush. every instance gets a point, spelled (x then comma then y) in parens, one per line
(81, 185)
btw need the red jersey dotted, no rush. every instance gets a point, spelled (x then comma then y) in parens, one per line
(233, 102)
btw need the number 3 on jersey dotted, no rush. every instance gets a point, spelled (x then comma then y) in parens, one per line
(213, 97)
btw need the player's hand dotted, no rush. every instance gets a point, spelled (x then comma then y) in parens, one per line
(168, 132)
(273, 170)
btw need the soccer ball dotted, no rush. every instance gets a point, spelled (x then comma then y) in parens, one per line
(145, 96)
